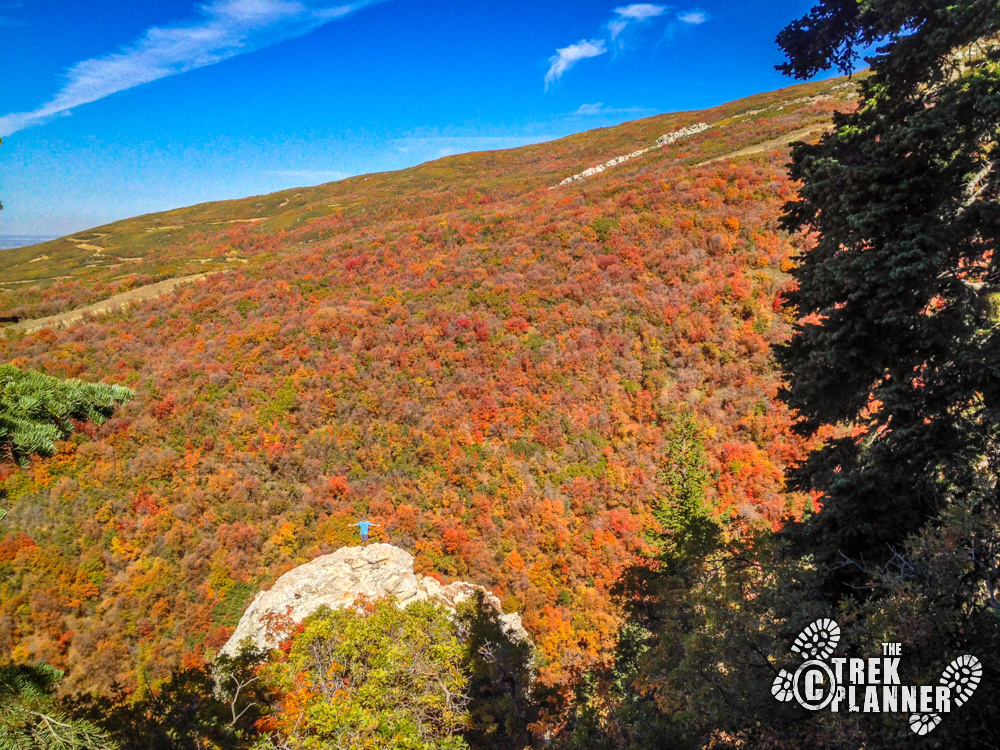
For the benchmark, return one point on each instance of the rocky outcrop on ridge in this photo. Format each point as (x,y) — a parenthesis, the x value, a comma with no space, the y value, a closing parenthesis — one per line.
(664,140)
(337,580)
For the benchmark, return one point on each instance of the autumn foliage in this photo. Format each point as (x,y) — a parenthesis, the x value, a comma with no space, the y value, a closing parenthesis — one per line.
(488,372)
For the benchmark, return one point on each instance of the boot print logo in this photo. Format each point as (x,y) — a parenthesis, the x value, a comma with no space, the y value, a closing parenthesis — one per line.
(870,685)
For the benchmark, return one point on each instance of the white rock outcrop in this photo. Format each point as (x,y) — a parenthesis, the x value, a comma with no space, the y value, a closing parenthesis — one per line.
(664,140)
(667,138)
(337,580)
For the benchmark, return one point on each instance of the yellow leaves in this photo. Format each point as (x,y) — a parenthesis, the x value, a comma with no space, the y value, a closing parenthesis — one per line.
(284,538)
(373,458)
(21,654)
(370,402)
(258,335)
(540,573)
(124,549)
(337,531)
(618,475)
(219,578)
(221,481)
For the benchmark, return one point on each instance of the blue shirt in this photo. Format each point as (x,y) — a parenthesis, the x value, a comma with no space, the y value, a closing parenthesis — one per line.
(363,525)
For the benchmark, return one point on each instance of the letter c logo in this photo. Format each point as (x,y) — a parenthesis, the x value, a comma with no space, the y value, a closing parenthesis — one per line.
(815,674)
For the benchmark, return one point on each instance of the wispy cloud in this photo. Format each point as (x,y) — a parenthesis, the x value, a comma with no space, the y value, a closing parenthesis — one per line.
(598,110)
(219,30)
(567,57)
(632,14)
(622,30)
(8,20)
(693,17)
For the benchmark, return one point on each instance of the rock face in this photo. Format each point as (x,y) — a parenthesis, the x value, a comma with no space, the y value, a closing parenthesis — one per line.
(337,580)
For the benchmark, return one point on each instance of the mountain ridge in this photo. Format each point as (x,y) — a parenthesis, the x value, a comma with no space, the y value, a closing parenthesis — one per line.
(146,246)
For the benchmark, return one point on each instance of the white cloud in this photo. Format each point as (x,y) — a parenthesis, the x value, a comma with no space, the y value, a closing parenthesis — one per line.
(598,110)
(632,14)
(641,11)
(693,17)
(221,29)
(567,57)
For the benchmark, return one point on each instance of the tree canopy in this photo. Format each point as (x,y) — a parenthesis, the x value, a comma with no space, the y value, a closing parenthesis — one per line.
(896,354)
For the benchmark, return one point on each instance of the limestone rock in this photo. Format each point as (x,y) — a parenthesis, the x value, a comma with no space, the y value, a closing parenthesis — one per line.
(338,579)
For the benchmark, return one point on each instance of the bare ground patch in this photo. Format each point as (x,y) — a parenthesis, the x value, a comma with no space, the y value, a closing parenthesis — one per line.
(111,304)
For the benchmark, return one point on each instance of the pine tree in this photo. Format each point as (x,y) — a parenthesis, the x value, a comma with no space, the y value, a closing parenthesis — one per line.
(37,410)
(899,345)
(684,513)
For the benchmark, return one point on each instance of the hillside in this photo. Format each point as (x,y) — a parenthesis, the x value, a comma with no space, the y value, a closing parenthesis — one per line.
(486,362)
(81,268)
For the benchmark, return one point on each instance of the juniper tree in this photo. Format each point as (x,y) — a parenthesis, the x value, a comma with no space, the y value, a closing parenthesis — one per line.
(899,345)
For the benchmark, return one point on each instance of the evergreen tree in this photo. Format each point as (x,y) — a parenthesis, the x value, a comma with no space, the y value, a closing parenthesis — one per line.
(690,531)
(37,410)
(899,345)
(30,719)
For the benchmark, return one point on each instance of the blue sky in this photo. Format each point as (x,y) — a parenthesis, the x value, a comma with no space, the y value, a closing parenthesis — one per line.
(112,108)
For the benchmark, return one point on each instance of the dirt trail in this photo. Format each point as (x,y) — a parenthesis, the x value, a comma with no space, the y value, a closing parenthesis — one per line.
(110,304)
(784,140)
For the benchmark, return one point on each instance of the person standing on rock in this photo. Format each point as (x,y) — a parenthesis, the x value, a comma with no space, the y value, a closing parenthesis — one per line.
(363,525)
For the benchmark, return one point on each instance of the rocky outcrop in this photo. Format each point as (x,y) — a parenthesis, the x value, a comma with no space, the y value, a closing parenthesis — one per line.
(667,138)
(664,140)
(337,580)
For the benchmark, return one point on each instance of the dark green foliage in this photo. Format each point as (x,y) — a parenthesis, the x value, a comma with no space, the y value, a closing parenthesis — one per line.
(194,708)
(30,719)
(231,608)
(603,226)
(500,670)
(37,410)
(690,531)
(902,341)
